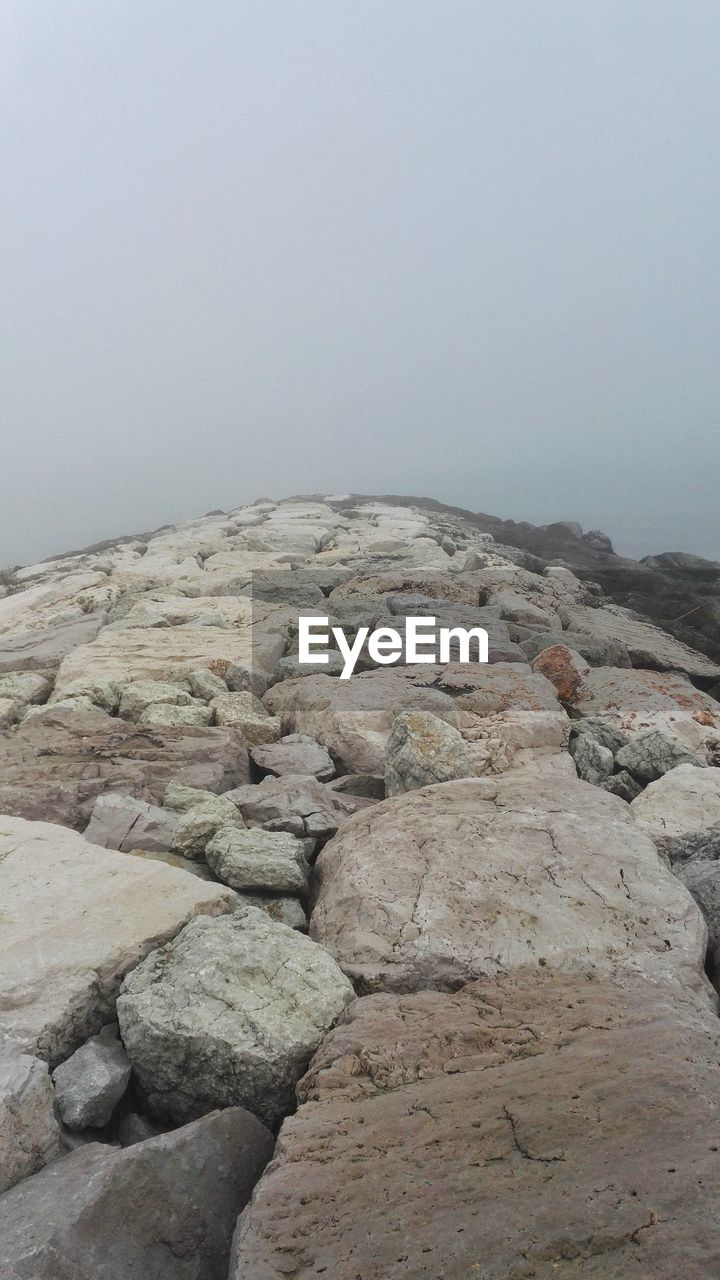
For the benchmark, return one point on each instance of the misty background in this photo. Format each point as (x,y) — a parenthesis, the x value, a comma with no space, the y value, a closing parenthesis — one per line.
(462,248)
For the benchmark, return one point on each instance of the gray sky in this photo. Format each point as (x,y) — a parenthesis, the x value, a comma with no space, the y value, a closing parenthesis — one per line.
(465,248)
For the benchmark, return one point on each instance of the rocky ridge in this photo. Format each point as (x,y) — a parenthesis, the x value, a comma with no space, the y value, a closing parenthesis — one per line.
(229,879)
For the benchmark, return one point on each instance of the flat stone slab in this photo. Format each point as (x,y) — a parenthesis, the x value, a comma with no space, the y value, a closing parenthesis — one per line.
(75,920)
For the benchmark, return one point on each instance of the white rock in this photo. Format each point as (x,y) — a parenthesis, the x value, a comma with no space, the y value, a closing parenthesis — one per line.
(684,799)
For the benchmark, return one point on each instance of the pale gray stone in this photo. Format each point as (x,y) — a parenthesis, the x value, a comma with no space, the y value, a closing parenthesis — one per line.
(122,822)
(257,859)
(29,1134)
(685,799)
(141,694)
(593,762)
(204,684)
(197,826)
(295,754)
(423,750)
(245,712)
(90,1083)
(169,716)
(279,907)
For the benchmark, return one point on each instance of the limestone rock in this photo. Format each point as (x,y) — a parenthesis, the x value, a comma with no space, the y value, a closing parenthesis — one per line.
(649,755)
(422,750)
(510,1130)
(442,885)
(593,762)
(685,799)
(204,684)
(166,716)
(122,822)
(622,784)
(295,754)
(44,649)
(303,806)
(691,846)
(137,696)
(90,1083)
(229,1013)
(164,1208)
(635,701)
(257,859)
(197,826)
(245,712)
(25,687)
(8,712)
(29,1134)
(278,907)
(54,766)
(75,920)
(703,880)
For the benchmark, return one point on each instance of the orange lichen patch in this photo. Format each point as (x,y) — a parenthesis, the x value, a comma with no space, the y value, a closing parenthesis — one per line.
(564,668)
(219,667)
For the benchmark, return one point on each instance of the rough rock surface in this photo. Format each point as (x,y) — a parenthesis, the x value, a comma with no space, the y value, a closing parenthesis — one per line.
(75,920)
(635,701)
(593,761)
(29,1134)
(295,754)
(507,1131)
(421,750)
(489,876)
(649,755)
(685,799)
(257,859)
(90,1083)
(302,806)
(121,822)
(164,1209)
(54,767)
(228,1014)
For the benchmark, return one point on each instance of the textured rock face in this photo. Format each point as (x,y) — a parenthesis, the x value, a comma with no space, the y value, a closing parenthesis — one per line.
(121,822)
(165,1208)
(422,750)
(685,799)
(75,920)
(29,1134)
(295,754)
(229,1014)
(636,701)
(90,1083)
(302,806)
(477,877)
(650,755)
(54,767)
(507,1131)
(257,859)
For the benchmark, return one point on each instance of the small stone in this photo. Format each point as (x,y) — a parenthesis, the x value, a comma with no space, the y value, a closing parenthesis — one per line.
(295,754)
(29,1134)
(141,694)
(205,685)
(90,1083)
(622,784)
(257,859)
(243,711)
(593,762)
(198,826)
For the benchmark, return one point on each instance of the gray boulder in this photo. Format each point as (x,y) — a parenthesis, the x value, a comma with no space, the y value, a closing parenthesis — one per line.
(295,754)
(422,750)
(173,717)
(122,822)
(606,734)
(90,1083)
(140,694)
(279,907)
(693,846)
(703,881)
(164,1209)
(650,755)
(303,806)
(622,784)
(257,859)
(593,762)
(205,685)
(197,826)
(229,1013)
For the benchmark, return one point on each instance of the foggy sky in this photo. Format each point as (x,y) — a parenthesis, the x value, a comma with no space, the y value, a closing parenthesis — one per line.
(463,248)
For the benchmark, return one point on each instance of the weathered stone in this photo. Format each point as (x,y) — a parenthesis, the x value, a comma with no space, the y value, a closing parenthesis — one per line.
(291,668)
(8,712)
(295,754)
(596,651)
(691,846)
(90,1083)
(635,701)
(122,822)
(141,694)
(103,694)
(197,826)
(245,712)
(606,734)
(278,907)
(165,1208)
(649,755)
(442,885)
(647,645)
(622,784)
(56,765)
(564,668)
(685,799)
(204,684)
(29,1134)
(44,650)
(180,798)
(229,1013)
(703,881)
(510,1130)
(422,750)
(75,920)
(257,859)
(302,806)
(593,762)
(25,687)
(164,716)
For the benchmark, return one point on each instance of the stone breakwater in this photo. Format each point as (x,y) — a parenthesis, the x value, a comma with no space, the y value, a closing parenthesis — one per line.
(407,975)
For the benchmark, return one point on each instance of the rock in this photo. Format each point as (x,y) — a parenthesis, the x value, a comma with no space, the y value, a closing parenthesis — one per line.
(302,806)
(636,701)
(422,750)
(258,859)
(685,799)
(479,881)
(649,755)
(141,694)
(606,734)
(622,784)
(29,1134)
(703,880)
(25,687)
(692,846)
(175,717)
(75,920)
(246,677)
(647,645)
(564,668)
(228,1014)
(593,762)
(197,826)
(596,651)
(8,712)
(291,668)
(90,1083)
(205,685)
(505,1131)
(245,712)
(132,1128)
(56,765)
(103,694)
(282,909)
(121,822)
(43,650)
(180,799)
(163,1209)
(294,754)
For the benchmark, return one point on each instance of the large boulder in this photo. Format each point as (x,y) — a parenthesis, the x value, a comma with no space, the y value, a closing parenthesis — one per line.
(295,754)
(647,645)
(422,750)
(44,649)
(229,1014)
(75,920)
(29,1133)
(54,767)
(163,1209)
(649,755)
(510,1130)
(685,799)
(636,701)
(437,887)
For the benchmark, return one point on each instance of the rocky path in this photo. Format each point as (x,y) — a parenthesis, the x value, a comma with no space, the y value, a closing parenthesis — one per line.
(407,975)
